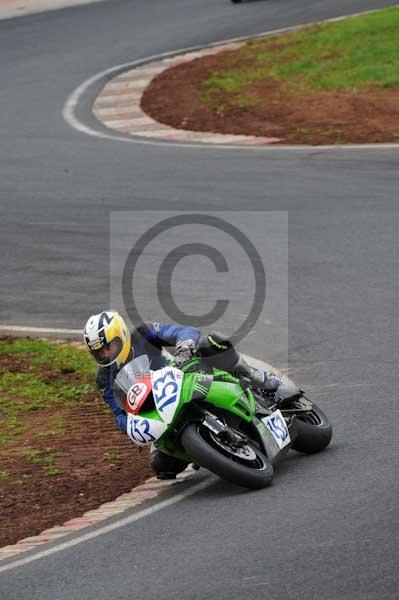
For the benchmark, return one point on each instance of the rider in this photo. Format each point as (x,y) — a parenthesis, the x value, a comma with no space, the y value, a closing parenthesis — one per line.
(112,345)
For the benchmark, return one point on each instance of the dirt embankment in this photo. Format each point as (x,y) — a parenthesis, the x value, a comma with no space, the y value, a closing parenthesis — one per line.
(176,98)
(60,460)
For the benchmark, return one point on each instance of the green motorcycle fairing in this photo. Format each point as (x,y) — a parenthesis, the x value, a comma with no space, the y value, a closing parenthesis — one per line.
(217,388)
(178,397)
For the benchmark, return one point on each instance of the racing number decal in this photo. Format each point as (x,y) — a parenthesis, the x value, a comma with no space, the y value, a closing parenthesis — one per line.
(142,429)
(166,387)
(139,430)
(167,391)
(278,428)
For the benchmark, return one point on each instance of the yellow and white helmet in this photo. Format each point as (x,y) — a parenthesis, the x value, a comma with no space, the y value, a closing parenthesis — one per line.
(107,338)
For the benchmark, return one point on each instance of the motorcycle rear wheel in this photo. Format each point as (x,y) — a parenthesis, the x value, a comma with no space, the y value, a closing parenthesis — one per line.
(314,431)
(255,471)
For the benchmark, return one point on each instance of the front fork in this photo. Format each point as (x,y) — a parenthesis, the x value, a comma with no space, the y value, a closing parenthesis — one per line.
(195,414)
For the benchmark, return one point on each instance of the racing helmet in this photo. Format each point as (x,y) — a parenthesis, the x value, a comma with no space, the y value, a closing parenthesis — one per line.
(107,338)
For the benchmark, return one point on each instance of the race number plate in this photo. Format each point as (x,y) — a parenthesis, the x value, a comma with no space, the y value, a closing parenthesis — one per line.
(144,431)
(278,428)
(166,389)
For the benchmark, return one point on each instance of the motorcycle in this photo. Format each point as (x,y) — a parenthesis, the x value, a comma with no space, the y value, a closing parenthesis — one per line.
(209,417)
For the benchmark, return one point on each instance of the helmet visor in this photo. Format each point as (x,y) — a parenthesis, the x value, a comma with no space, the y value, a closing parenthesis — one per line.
(108,352)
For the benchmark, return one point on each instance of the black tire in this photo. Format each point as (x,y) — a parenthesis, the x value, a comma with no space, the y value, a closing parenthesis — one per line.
(200,444)
(314,431)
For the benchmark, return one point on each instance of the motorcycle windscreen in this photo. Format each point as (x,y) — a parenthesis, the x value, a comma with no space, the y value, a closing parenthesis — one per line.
(135,369)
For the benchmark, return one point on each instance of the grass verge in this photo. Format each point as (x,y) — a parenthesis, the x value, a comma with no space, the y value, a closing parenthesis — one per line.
(330,83)
(36,375)
(357,52)
(60,452)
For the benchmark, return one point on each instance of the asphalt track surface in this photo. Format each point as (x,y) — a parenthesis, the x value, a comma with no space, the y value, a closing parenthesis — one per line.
(328,527)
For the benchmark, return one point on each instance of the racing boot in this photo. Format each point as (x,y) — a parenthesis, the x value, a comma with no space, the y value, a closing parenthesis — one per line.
(165,466)
(266,382)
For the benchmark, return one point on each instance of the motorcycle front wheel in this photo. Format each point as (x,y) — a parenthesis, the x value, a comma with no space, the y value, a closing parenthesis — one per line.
(313,431)
(246,466)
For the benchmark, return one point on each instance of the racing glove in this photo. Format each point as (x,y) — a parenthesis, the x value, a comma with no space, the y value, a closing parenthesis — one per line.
(184,351)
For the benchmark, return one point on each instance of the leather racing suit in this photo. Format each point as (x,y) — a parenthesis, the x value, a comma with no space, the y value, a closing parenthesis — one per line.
(149,339)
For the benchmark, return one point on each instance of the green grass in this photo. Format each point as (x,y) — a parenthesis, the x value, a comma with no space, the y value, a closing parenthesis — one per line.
(112,455)
(350,54)
(28,392)
(49,374)
(56,427)
(46,459)
(41,353)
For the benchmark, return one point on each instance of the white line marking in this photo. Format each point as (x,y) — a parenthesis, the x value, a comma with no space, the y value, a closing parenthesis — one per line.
(22,329)
(107,528)
(73,100)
